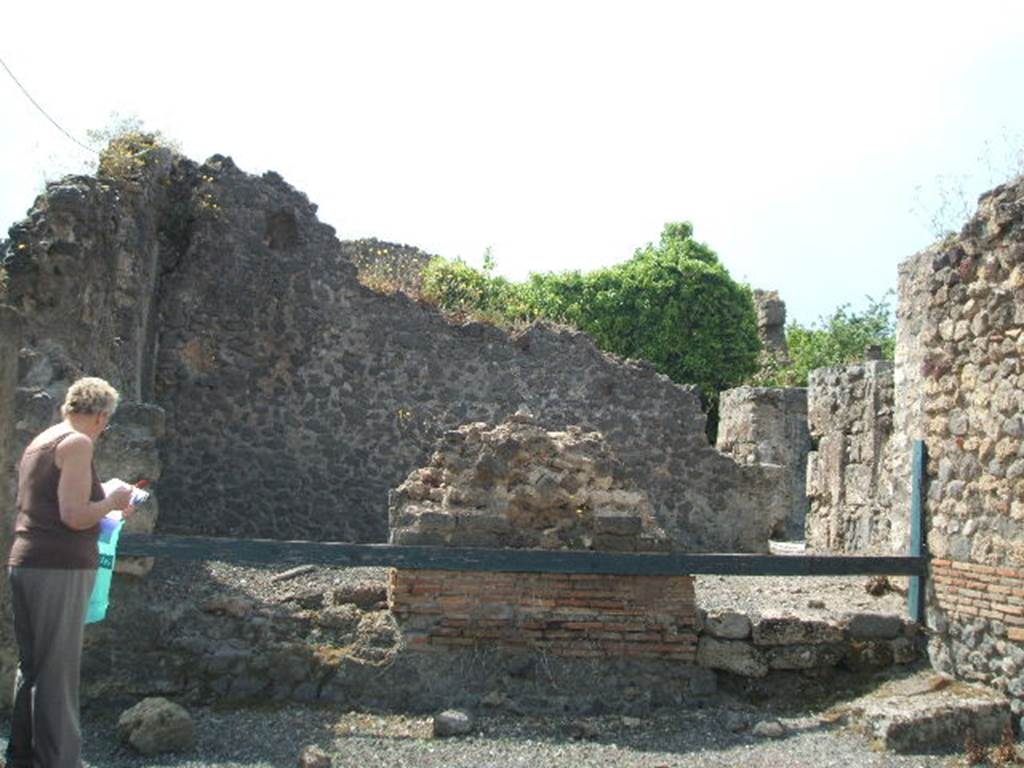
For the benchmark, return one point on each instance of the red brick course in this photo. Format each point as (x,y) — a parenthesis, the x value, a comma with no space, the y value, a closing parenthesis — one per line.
(971,590)
(580,615)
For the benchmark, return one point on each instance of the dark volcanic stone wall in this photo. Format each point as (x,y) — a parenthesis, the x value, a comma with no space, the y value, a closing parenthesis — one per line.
(296,397)
(83,270)
(10,339)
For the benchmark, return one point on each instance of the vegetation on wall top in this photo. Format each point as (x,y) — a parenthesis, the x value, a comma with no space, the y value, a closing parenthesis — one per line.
(672,304)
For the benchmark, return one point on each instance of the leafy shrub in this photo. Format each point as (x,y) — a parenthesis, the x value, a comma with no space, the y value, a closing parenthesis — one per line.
(673,305)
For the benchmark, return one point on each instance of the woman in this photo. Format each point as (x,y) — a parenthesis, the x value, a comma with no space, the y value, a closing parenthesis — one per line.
(51,569)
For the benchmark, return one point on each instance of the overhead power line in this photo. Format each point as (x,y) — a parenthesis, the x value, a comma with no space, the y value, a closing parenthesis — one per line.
(42,111)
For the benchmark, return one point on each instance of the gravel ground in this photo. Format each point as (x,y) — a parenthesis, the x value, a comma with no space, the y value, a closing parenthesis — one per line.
(820,597)
(690,738)
(716,734)
(809,596)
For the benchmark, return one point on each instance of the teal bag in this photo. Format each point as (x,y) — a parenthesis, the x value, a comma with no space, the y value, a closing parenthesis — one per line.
(110,531)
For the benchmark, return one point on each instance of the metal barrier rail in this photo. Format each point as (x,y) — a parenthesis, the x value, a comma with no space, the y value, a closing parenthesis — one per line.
(337,554)
(272,551)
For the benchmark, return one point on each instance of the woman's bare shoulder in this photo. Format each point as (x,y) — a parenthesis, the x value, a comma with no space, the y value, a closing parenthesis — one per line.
(47,437)
(69,443)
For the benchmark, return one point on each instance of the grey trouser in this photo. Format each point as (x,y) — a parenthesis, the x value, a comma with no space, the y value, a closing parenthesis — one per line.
(49,614)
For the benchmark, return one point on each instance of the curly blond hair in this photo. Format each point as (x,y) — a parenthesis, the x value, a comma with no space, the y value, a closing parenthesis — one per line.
(90,395)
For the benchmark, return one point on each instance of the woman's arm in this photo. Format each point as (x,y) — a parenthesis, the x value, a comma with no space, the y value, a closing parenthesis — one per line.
(74,457)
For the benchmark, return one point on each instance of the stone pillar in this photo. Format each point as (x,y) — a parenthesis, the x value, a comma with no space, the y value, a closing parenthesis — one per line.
(771,322)
(768,425)
(914,336)
(850,415)
(10,340)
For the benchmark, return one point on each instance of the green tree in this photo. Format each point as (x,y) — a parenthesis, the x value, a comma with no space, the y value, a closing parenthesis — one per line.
(672,304)
(838,339)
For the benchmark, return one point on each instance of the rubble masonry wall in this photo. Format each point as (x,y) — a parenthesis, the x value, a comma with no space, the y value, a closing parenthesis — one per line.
(295,397)
(960,348)
(768,425)
(849,486)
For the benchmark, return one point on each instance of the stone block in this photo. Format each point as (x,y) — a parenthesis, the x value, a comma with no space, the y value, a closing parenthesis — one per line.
(736,656)
(453,722)
(727,625)
(866,655)
(791,630)
(617,523)
(942,728)
(873,626)
(803,656)
(156,725)
(858,484)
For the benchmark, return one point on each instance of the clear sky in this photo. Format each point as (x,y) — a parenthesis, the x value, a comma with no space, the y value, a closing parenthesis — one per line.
(798,137)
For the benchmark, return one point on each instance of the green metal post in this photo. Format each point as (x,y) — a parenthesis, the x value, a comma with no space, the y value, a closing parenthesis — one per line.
(916,592)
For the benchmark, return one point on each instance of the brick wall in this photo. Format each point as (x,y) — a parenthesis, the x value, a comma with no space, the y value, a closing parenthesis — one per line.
(970,591)
(559,614)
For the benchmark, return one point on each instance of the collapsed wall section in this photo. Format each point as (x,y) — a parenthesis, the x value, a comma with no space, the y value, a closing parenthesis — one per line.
(84,272)
(518,485)
(962,310)
(850,416)
(388,267)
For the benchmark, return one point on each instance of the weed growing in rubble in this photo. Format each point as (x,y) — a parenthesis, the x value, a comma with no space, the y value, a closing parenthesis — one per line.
(1006,753)
(1003,755)
(127,147)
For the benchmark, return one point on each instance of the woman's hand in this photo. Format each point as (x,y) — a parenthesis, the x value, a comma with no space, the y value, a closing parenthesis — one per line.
(121,498)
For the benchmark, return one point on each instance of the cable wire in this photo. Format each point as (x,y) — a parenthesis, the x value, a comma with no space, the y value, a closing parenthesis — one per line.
(43,111)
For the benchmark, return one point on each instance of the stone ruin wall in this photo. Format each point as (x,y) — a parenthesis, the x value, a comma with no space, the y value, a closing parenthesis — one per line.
(539,642)
(768,425)
(295,398)
(849,482)
(10,334)
(289,386)
(519,486)
(961,345)
(530,641)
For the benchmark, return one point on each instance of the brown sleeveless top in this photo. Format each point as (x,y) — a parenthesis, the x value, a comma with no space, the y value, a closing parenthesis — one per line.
(41,540)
